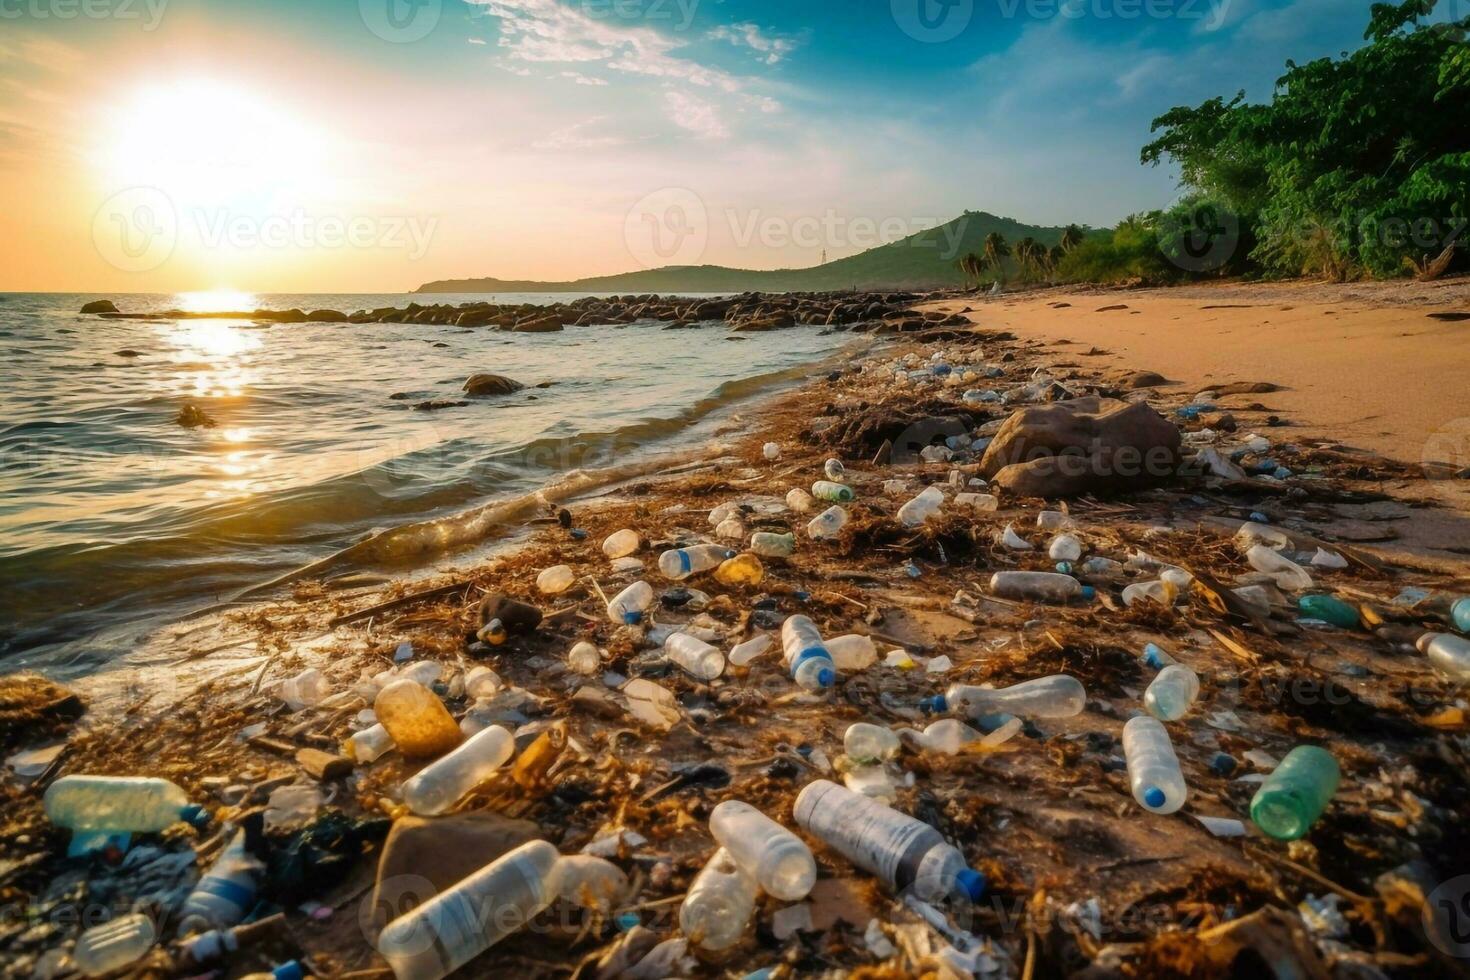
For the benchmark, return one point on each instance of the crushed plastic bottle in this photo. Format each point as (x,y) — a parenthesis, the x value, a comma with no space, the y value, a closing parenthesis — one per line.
(225,894)
(986,502)
(719,905)
(1064,547)
(852,652)
(109,947)
(906,854)
(1171,693)
(1296,793)
(1010,539)
(1288,575)
(584,658)
(681,563)
(621,543)
(1329,609)
(769,545)
(100,810)
(1039,586)
(743,569)
(1252,533)
(307,688)
(744,653)
(800,501)
(557,578)
(482,682)
(437,787)
(452,928)
(835,471)
(628,606)
(1053,520)
(368,745)
(870,743)
(832,492)
(827,524)
(921,508)
(1450,654)
(416,719)
(1099,566)
(1054,696)
(775,857)
(947,735)
(694,656)
(1153,768)
(806,655)
(1157,591)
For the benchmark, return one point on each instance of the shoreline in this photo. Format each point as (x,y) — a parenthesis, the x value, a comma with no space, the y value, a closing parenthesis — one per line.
(1048,812)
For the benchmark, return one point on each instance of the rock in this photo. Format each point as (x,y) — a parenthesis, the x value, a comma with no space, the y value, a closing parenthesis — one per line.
(128,352)
(435,404)
(100,306)
(543,324)
(326,316)
(1143,379)
(518,618)
(1245,388)
(32,707)
(191,416)
(1081,446)
(323,766)
(488,385)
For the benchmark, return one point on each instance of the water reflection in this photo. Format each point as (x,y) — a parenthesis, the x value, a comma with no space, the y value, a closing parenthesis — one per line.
(216,301)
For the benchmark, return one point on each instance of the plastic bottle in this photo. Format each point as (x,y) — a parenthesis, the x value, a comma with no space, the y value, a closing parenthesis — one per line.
(443,783)
(1460,614)
(1098,565)
(1039,586)
(305,689)
(590,882)
(1288,574)
(368,745)
(906,854)
(838,493)
(743,569)
(1153,768)
(416,719)
(425,672)
(827,523)
(1329,609)
(628,606)
(1295,794)
(1156,591)
(806,655)
(1252,534)
(870,743)
(771,451)
(694,656)
(775,857)
(835,471)
(681,563)
(1449,653)
(1171,693)
(457,925)
(482,682)
(226,892)
(1010,539)
(800,501)
(1064,547)
(557,578)
(731,529)
(722,512)
(1155,657)
(947,735)
(1054,696)
(921,508)
(584,658)
(987,502)
(1053,520)
(113,945)
(99,808)
(769,545)
(852,652)
(745,652)
(719,904)
(216,944)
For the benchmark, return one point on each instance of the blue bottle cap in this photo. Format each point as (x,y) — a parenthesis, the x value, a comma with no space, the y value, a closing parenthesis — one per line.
(1065,567)
(971,884)
(1154,797)
(1088,593)
(194,814)
(290,970)
(578,534)
(826,677)
(632,617)
(933,706)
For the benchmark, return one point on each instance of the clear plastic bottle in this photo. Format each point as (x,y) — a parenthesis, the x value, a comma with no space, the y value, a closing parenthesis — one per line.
(622,543)
(628,606)
(922,507)
(719,904)
(947,735)
(1065,547)
(800,501)
(1295,794)
(443,783)
(731,529)
(1053,520)
(369,745)
(1039,586)
(852,652)
(482,682)
(226,892)
(775,857)
(1460,614)
(987,502)
(827,524)
(1252,534)
(457,925)
(694,656)
(1154,591)
(870,743)
(95,808)
(906,854)
(1288,574)
(307,688)
(1098,565)
(834,470)
(1054,696)
(1449,653)
(557,578)
(416,719)
(806,655)
(837,493)
(681,563)
(1171,693)
(771,451)
(584,658)
(743,569)
(113,945)
(745,652)
(769,545)
(1153,768)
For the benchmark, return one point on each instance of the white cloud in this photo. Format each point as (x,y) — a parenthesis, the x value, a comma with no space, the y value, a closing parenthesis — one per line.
(694,114)
(577,137)
(774,47)
(582,79)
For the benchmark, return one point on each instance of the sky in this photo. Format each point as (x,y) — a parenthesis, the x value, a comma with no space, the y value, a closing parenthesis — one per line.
(373,145)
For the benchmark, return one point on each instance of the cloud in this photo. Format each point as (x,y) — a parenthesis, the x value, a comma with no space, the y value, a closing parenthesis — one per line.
(694,114)
(774,47)
(582,79)
(577,137)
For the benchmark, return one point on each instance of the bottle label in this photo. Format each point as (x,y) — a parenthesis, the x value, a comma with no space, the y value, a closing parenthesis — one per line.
(874,837)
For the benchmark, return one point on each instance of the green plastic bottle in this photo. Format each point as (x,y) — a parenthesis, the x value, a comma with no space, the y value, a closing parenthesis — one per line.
(1329,609)
(1294,796)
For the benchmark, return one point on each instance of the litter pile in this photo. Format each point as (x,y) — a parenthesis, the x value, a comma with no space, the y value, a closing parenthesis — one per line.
(959,663)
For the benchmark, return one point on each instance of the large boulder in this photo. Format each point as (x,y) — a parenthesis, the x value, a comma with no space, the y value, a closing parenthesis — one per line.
(100,306)
(326,316)
(541,324)
(488,385)
(1082,446)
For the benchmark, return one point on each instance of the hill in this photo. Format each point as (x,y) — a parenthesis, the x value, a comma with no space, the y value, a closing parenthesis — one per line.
(926,260)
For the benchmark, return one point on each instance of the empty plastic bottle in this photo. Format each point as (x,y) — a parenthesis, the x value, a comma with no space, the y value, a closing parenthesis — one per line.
(827,523)
(628,606)
(462,922)
(694,656)
(743,569)
(443,783)
(1053,520)
(584,658)
(1449,653)
(557,578)
(1010,539)
(482,682)
(719,904)
(416,719)
(870,743)
(906,854)
(1252,534)
(835,470)
(978,501)
(1098,565)
(771,451)
(731,528)
(1054,696)
(1295,794)
(1155,657)
(852,652)
(744,653)
(590,882)
(800,501)
(775,857)
(226,893)
(369,745)
(1039,586)
(1064,547)
(806,655)
(97,809)
(1288,574)
(305,689)
(113,945)
(1329,609)
(769,545)
(681,563)
(1155,591)
(214,945)
(947,735)
(621,543)
(828,490)
(922,507)
(1171,693)
(1153,768)
(1460,614)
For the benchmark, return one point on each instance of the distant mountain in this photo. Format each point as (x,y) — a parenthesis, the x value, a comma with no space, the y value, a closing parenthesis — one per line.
(923,261)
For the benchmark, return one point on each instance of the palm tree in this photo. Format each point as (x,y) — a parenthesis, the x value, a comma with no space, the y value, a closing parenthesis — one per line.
(996,250)
(1029,253)
(973,267)
(1072,236)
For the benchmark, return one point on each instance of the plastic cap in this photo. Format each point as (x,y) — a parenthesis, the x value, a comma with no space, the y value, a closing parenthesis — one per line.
(194,814)
(934,706)
(1089,593)
(632,617)
(290,970)
(1154,796)
(826,677)
(970,883)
